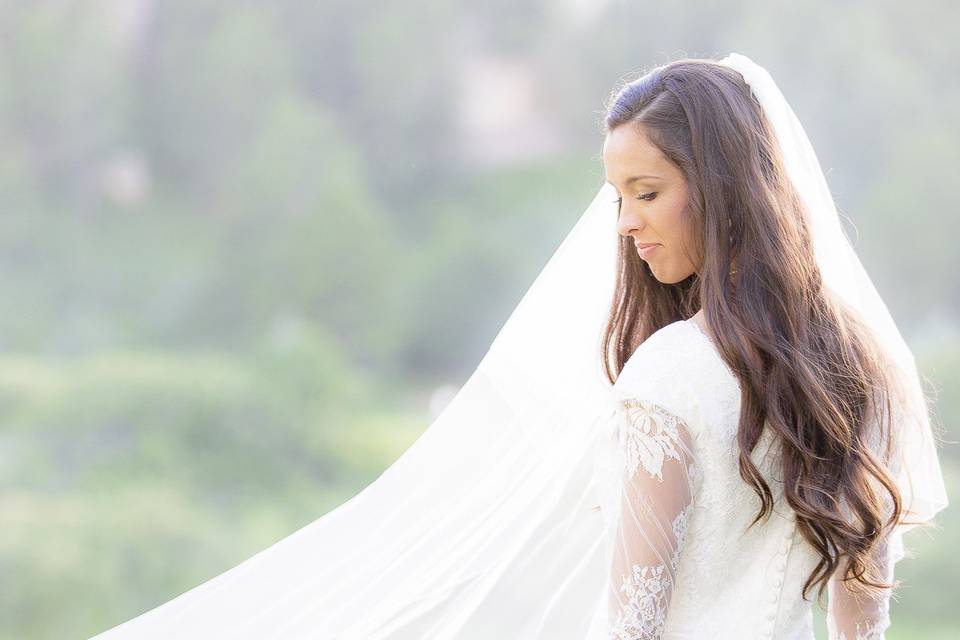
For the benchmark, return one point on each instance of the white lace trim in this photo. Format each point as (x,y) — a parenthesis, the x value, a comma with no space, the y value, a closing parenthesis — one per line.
(679,533)
(647,590)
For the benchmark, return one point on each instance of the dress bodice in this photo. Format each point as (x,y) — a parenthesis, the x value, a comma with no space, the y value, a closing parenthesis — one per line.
(730,580)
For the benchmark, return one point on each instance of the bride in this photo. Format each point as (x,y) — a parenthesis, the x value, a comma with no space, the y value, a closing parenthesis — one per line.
(699,418)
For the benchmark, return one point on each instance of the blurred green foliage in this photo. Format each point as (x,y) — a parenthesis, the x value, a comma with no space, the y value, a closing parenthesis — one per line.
(241,244)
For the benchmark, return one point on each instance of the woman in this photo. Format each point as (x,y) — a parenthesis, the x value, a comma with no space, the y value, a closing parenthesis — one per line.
(718,226)
(765,436)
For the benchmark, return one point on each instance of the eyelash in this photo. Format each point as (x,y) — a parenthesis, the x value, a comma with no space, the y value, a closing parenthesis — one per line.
(640,197)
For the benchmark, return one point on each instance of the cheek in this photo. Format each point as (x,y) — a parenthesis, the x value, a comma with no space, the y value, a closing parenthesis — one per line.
(677,234)
(673,222)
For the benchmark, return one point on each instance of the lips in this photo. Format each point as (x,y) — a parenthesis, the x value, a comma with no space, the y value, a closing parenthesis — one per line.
(646,248)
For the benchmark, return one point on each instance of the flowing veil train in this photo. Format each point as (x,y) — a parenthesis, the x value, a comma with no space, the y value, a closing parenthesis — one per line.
(487,527)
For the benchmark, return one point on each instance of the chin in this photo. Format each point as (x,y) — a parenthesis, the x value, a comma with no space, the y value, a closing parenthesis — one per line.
(670,278)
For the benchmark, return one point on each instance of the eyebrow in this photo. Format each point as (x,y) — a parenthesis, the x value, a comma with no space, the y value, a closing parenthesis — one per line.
(635,178)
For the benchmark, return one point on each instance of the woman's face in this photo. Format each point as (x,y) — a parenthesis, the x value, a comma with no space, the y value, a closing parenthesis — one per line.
(652,208)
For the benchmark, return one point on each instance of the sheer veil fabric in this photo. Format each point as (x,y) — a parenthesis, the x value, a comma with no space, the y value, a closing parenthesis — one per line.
(488,525)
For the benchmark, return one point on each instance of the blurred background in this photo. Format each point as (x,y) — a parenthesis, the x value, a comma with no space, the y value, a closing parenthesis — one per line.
(249,249)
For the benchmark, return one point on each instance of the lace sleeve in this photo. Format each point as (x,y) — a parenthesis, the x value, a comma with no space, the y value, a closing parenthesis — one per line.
(853,616)
(658,488)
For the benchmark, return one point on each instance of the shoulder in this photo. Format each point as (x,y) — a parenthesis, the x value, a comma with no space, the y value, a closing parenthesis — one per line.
(678,369)
(668,351)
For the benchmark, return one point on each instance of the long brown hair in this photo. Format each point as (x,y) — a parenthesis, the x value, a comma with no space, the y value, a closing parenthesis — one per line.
(808,368)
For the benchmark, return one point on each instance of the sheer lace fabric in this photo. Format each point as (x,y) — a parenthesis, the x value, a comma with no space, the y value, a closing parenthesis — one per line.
(658,486)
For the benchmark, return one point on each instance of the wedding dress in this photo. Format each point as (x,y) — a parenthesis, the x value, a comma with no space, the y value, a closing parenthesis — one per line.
(684,564)
(545,504)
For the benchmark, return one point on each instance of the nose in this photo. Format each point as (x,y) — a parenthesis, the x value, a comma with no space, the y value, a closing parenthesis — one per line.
(629,224)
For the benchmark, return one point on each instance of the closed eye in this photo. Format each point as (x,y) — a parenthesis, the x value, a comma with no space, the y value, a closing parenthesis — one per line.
(644,196)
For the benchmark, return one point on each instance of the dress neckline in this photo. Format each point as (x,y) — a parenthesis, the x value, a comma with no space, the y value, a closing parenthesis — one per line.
(698,328)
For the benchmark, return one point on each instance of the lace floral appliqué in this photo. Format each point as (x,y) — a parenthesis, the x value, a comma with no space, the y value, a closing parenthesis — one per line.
(659,481)
(646,590)
(651,439)
(871,632)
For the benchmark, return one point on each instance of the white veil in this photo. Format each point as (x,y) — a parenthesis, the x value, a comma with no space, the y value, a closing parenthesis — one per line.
(487,526)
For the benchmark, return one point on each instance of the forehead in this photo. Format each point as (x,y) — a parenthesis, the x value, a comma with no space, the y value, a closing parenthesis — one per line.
(627,152)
